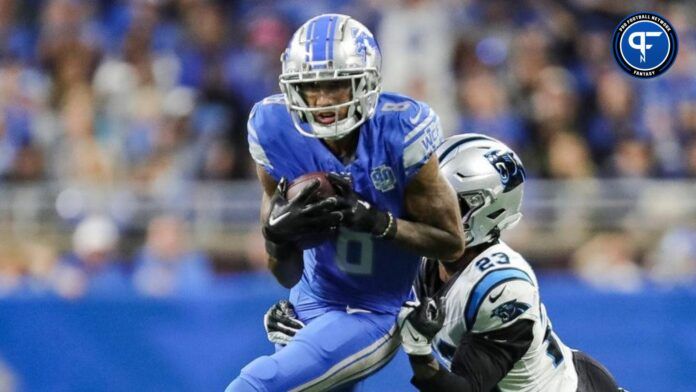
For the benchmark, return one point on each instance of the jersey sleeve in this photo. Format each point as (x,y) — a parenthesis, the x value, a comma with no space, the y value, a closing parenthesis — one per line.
(501,298)
(421,137)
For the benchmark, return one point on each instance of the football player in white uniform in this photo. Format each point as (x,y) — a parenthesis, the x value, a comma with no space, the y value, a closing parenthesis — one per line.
(482,315)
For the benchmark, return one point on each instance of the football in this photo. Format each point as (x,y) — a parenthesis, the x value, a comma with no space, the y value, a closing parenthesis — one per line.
(325,188)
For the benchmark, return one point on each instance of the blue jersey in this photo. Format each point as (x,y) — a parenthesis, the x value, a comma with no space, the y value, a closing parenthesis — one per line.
(354,269)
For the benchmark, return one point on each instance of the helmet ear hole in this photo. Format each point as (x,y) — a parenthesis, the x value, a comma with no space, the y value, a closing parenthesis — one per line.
(495,213)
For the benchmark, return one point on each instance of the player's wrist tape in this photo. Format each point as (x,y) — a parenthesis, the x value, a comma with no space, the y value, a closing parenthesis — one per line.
(389,231)
(281,250)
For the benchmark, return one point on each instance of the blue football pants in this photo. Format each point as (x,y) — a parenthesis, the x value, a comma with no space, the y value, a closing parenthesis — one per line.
(337,348)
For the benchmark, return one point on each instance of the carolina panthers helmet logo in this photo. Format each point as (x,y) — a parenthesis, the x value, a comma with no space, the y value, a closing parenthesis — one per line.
(510,310)
(509,167)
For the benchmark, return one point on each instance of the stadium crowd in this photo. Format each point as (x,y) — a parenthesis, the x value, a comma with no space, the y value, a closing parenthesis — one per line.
(156,94)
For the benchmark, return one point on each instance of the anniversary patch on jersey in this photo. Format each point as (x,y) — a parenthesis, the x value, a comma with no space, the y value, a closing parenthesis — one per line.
(383,178)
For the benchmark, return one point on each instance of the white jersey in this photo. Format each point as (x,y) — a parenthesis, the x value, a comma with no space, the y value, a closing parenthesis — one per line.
(497,289)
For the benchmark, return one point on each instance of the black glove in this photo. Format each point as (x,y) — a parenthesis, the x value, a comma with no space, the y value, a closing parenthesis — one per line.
(281,323)
(419,323)
(358,214)
(289,220)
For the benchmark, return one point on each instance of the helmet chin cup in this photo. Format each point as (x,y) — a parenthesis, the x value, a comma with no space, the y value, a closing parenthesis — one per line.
(334,131)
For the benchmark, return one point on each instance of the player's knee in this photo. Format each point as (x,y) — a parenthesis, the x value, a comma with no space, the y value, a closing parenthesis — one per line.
(240,385)
(259,375)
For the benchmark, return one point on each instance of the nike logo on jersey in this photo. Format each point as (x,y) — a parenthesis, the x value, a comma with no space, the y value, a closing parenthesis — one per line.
(275,219)
(494,298)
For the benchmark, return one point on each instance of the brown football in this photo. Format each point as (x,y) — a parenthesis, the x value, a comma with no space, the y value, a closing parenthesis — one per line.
(325,188)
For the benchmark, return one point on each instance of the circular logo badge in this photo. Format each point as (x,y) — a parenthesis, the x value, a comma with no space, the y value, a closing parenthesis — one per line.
(645,45)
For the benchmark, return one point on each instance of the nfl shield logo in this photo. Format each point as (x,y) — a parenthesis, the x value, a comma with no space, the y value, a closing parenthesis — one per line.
(383,178)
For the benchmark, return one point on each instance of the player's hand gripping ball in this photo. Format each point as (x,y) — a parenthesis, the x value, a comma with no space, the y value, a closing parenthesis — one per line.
(321,219)
(291,217)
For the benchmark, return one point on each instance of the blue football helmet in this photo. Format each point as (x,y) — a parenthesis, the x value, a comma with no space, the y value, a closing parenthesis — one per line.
(331,47)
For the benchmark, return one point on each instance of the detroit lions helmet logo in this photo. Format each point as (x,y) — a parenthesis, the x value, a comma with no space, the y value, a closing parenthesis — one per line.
(510,310)
(509,167)
(364,42)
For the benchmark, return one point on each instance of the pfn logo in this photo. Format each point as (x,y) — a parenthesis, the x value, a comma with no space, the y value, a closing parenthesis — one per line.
(642,46)
(645,45)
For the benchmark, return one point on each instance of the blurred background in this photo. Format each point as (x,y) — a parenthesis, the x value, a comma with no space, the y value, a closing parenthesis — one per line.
(130,252)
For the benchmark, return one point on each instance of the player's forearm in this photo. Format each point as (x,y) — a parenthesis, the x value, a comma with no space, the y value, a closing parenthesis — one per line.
(429,241)
(285,261)
(429,376)
(424,366)
(432,226)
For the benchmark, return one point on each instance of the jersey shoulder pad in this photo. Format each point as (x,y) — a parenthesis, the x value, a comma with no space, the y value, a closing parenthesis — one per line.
(268,116)
(500,297)
(268,120)
(418,132)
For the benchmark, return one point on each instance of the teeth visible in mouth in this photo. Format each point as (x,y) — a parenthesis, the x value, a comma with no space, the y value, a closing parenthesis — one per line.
(326,118)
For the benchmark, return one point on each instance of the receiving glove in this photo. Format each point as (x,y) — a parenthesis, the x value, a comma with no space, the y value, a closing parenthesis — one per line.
(281,323)
(359,215)
(289,220)
(419,323)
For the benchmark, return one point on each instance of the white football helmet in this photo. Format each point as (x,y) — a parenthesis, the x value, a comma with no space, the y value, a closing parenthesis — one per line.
(489,180)
(331,47)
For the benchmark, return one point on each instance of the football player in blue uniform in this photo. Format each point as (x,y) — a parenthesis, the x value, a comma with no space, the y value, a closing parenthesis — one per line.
(481,315)
(392,206)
